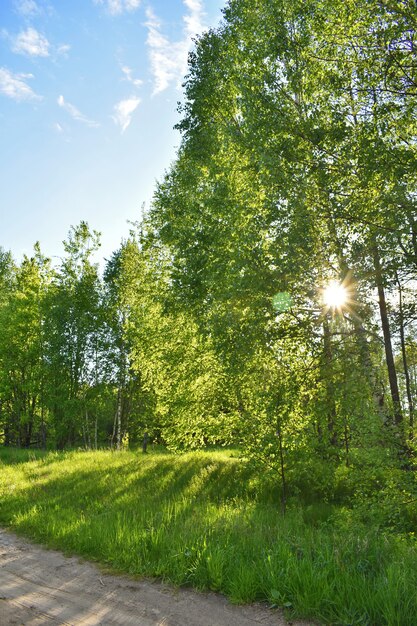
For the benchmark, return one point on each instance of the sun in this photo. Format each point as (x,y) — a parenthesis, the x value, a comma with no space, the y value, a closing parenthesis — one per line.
(335,295)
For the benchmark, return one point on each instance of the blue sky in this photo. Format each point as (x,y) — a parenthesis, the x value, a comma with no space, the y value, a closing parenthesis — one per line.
(88,98)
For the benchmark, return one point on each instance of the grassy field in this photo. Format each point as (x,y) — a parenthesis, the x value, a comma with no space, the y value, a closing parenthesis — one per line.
(202,519)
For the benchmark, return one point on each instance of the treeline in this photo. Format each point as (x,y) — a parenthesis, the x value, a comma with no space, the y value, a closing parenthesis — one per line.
(297,167)
(60,348)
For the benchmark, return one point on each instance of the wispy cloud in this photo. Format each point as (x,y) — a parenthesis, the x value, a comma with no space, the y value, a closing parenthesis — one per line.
(75,113)
(14,86)
(169,59)
(116,7)
(137,82)
(31,43)
(165,57)
(27,8)
(124,110)
(63,49)
(194,20)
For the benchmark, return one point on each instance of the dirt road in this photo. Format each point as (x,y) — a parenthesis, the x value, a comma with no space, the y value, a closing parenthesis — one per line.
(43,587)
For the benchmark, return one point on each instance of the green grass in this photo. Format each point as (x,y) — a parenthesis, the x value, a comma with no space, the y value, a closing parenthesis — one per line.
(202,519)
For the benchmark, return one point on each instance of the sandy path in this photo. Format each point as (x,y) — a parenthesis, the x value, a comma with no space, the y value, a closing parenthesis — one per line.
(39,586)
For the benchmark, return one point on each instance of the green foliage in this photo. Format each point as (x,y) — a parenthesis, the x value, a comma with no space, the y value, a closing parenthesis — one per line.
(62,352)
(286,178)
(184,381)
(22,370)
(296,167)
(72,334)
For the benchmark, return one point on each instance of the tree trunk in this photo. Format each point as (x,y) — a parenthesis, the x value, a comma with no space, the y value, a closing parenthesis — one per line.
(282,469)
(389,355)
(119,419)
(43,428)
(404,357)
(87,429)
(328,380)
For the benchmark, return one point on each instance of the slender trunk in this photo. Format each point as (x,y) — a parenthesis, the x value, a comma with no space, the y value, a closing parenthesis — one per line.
(346,442)
(43,428)
(29,434)
(120,391)
(327,374)
(87,429)
(114,430)
(6,427)
(413,226)
(96,386)
(6,435)
(389,355)
(282,469)
(84,436)
(119,419)
(404,357)
(413,379)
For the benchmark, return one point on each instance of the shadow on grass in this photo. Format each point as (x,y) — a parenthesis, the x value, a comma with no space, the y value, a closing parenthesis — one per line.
(94,482)
(198,519)
(12,456)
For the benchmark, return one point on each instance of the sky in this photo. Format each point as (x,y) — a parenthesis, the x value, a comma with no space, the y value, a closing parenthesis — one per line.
(88,101)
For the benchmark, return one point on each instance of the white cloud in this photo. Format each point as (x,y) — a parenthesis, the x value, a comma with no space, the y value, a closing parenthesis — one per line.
(58,128)
(132,5)
(27,8)
(137,82)
(31,43)
(75,113)
(63,49)
(123,111)
(116,7)
(15,87)
(194,20)
(169,59)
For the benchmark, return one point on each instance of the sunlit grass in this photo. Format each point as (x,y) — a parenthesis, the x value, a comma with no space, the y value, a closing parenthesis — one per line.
(202,519)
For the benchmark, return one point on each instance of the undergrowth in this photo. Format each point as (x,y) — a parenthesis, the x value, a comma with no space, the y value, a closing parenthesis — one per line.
(203,519)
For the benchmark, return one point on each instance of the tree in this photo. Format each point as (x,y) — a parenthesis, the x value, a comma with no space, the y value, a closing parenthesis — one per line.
(22,365)
(73,336)
(184,398)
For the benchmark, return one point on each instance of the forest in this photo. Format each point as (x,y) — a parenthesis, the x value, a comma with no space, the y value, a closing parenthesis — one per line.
(258,328)
(212,324)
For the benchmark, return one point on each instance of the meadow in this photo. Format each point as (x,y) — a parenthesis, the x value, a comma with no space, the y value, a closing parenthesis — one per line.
(207,520)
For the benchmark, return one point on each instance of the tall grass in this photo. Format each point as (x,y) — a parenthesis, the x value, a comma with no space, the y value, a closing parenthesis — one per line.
(201,519)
